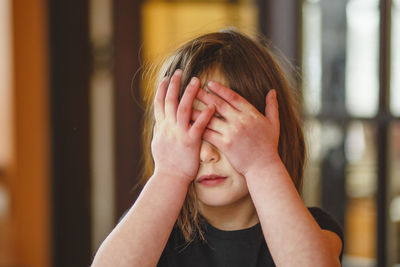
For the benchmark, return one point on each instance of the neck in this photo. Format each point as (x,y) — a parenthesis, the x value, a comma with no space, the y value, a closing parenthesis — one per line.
(235,216)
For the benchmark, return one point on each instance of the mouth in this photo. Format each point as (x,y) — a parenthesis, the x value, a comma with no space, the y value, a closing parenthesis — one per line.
(211,179)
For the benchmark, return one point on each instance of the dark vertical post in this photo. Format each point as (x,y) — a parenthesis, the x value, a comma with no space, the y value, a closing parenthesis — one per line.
(280,22)
(382,128)
(69,72)
(128,115)
(333,166)
(334,31)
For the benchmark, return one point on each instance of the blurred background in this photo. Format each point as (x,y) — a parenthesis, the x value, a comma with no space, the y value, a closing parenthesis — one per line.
(70,122)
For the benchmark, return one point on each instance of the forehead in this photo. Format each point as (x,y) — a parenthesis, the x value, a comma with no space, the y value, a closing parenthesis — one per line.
(213,74)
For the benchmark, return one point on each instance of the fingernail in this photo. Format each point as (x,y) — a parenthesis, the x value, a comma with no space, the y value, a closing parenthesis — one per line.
(210,83)
(178,72)
(193,81)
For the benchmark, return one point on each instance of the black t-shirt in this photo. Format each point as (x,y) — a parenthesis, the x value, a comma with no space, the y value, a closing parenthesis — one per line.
(246,247)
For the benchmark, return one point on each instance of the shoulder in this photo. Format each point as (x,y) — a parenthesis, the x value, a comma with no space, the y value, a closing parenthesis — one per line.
(326,221)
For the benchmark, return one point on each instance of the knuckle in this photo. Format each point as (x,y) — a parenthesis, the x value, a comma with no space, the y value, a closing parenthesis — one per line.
(238,127)
(241,127)
(235,130)
(234,97)
(168,124)
(186,142)
(241,119)
(190,89)
(197,126)
(219,102)
(253,114)
(228,142)
(183,109)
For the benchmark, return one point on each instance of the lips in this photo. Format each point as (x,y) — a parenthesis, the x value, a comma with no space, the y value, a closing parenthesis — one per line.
(211,179)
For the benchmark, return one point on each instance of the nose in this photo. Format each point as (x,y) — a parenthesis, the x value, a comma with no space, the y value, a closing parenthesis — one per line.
(208,153)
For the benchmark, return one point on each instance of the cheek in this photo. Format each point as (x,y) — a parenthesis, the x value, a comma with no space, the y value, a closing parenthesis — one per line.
(241,185)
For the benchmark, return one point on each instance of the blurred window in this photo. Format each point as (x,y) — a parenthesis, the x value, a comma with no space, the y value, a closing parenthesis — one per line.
(393,222)
(312,66)
(102,123)
(361,177)
(362,82)
(167,24)
(340,64)
(395,57)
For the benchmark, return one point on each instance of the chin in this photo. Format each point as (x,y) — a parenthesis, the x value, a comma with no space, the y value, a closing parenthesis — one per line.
(218,198)
(215,202)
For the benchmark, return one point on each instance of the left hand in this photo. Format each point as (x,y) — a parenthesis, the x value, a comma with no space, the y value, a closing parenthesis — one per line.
(246,137)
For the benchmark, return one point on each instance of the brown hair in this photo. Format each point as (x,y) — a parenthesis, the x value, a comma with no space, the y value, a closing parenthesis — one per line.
(251,70)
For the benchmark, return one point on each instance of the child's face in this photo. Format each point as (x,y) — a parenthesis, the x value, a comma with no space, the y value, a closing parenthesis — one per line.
(217,183)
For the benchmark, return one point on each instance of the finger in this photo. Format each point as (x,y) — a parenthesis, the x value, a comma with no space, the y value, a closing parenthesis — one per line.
(215,123)
(199,106)
(212,137)
(230,96)
(222,107)
(185,105)
(195,114)
(159,99)
(171,99)
(200,124)
(272,109)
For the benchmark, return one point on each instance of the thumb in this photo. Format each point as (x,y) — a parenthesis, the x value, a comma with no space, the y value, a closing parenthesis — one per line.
(271,108)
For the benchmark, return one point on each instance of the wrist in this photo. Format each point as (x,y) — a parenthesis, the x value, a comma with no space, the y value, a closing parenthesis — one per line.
(265,165)
(173,178)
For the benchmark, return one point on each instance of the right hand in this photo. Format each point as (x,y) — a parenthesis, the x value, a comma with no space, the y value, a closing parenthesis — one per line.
(176,142)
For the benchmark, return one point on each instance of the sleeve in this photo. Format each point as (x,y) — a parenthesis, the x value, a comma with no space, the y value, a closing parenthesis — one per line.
(327,222)
(163,262)
(169,256)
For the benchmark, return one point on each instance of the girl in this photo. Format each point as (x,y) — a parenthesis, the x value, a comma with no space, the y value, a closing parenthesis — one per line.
(228,155)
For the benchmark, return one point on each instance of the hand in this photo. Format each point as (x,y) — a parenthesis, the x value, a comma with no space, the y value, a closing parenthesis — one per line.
(176,142)
(246,137)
